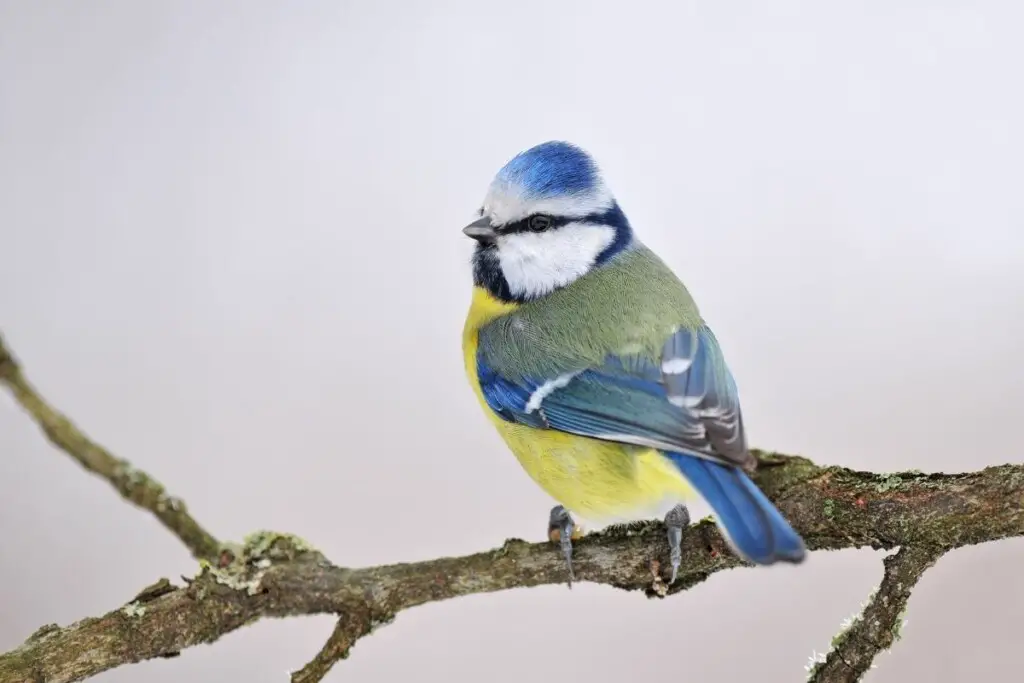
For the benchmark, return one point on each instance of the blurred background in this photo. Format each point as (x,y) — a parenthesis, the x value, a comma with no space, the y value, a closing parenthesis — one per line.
(222,223)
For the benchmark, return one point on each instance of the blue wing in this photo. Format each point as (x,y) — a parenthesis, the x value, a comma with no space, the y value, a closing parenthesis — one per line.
(684,404)
(686,400)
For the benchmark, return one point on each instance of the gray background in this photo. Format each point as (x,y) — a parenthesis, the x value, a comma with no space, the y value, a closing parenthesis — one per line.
(231,252)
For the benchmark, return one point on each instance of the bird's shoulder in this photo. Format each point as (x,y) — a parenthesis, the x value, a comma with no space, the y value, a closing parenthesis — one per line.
(628,306)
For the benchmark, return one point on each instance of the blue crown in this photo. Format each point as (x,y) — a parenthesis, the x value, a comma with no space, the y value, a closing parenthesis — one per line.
(551,169)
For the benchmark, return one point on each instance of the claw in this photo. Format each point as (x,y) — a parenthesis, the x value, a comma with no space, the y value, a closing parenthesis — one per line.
(561,529)
(677,519)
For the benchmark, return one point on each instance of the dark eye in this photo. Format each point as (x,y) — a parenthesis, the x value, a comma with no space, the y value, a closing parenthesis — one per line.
(540,223)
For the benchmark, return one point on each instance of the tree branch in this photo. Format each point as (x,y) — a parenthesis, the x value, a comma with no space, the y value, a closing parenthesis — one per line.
(276,575)
(133,484)
(878,626)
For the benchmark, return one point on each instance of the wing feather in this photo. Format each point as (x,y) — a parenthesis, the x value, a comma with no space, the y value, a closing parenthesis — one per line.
(685,400)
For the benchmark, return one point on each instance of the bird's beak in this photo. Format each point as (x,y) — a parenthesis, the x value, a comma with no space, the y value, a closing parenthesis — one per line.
(481,230)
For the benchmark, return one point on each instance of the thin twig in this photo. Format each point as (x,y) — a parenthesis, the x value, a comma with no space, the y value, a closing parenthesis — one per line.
(349,628)
(878,626)
(133,484)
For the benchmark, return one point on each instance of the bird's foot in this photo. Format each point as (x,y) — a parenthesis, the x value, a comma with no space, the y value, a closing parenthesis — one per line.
(677,519)
(563,531)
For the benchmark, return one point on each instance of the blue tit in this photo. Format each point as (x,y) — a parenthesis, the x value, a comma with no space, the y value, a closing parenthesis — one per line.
(593,362)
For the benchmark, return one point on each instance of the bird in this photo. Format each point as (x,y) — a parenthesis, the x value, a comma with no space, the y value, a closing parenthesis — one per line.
(593,362)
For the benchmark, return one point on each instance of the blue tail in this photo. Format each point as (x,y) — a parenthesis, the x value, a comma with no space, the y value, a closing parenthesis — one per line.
(752,524)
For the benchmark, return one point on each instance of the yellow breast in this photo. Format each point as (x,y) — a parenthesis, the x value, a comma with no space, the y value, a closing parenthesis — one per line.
(600,481)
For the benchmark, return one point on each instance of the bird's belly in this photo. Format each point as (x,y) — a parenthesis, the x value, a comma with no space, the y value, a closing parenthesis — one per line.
(599,481)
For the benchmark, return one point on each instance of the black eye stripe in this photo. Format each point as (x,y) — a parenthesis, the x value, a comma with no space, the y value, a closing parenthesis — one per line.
(523,225)
(612,217)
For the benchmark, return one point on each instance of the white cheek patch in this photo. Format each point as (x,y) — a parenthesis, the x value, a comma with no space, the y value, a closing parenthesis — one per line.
(537,263)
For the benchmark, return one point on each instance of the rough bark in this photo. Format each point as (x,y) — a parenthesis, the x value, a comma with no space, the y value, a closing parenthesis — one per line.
(878,626)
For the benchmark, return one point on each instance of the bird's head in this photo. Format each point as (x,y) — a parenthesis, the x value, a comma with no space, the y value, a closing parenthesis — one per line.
(548,219)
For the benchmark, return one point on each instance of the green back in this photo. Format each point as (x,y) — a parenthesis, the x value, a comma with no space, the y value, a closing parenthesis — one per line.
(628,306)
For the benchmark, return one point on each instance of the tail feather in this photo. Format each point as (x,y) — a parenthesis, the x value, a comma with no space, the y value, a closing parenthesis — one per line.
(750,522)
